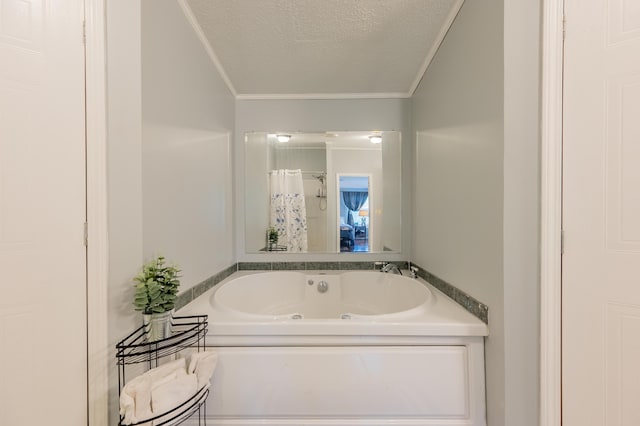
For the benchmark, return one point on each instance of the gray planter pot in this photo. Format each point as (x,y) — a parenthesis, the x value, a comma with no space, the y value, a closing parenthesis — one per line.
(157,326)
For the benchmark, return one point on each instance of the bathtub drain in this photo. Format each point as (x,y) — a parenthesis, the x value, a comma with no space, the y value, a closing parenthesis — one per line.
(345,316)
(297,316)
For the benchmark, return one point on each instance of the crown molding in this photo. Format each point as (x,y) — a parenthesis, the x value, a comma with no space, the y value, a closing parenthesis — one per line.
(188,13)
(434,49)
(296,96)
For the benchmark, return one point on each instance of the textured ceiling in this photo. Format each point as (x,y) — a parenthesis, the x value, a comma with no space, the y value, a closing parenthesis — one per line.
(322,48)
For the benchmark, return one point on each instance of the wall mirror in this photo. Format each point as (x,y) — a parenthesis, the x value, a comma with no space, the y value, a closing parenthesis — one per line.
(324,192)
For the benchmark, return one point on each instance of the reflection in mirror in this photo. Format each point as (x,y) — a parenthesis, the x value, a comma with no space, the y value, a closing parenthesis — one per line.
(295,192)
(353,200)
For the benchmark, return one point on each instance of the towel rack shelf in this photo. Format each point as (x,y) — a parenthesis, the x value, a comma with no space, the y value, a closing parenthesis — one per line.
(186,331)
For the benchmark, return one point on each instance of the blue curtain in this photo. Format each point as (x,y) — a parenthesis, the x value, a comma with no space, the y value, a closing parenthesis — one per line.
(353,200)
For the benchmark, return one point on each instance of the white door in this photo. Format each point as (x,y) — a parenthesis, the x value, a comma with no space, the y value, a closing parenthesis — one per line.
(42,210)
(601,214)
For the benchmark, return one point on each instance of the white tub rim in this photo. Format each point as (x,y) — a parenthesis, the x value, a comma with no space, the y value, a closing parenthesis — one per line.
(287,290)
(444,318)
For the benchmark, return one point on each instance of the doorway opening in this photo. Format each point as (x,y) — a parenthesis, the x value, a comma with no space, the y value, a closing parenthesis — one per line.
(354,221)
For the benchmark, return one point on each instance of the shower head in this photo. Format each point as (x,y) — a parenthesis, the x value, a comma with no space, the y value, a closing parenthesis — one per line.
(321,177)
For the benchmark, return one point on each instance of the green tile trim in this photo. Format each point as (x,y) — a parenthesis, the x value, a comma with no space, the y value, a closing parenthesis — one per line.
(317,266)
(357,266)
(254,266)
(191,294)
(288,266)
(183,299)
(314,266)
(473,306)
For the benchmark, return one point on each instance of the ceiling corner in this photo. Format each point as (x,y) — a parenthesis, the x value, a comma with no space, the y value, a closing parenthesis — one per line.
(434,49)
(191,19)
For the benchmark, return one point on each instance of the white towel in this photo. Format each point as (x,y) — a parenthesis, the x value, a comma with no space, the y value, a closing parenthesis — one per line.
(128,404)
(143,399)
(156,374)
(170,393)
(135,398)
(203,364)
(163,388)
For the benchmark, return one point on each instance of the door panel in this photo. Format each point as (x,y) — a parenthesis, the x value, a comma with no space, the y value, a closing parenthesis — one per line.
(42,211)
(601,214)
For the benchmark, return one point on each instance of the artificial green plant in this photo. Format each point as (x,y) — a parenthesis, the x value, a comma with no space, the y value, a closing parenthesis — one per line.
(156,287)
(272,235)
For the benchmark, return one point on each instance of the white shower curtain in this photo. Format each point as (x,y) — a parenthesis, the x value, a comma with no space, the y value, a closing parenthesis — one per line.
(288,212)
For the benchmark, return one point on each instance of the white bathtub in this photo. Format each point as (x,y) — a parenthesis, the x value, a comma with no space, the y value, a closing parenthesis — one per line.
(373,349)
(296,295)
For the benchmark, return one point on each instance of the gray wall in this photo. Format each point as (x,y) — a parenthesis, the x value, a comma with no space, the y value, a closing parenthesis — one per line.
(124,173)
(170,124)
(476,200)
(476,119)
(521,210)
(187,124)
(320,116)
(458,120)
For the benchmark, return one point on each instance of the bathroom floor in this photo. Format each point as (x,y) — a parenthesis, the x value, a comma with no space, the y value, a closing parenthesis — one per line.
(361,244)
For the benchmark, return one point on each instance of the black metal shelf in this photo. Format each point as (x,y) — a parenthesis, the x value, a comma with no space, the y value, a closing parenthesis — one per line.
(186,331)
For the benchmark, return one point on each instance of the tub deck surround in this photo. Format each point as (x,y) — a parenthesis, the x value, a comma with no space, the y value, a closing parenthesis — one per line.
(439,315)
(475,307)
(405,355)
(194,292)
(472,305)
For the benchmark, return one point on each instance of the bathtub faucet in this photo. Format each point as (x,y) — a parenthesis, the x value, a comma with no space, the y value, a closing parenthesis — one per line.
(389,267)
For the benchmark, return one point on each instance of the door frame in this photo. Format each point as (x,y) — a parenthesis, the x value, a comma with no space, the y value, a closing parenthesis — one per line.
(337,224)
(99,355)
(551,212)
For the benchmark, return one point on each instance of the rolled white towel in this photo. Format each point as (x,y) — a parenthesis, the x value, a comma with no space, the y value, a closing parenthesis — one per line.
(195,357)
(135,398)
(128,404)
(156,374)
(170,392)
(143,399)
(203,364)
